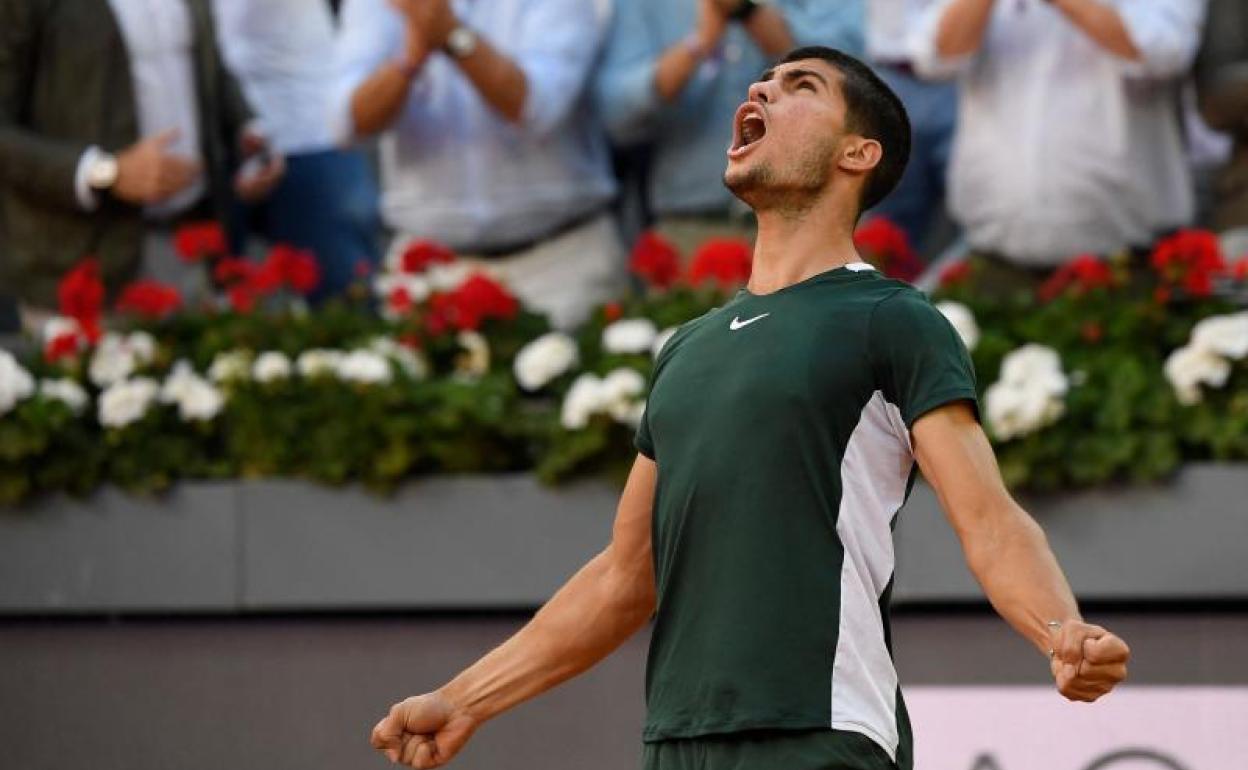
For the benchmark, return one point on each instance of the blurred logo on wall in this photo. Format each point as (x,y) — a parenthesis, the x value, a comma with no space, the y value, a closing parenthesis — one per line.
(1033,728)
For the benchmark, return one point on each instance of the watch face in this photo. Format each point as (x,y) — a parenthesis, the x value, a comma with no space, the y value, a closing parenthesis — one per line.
(461,42)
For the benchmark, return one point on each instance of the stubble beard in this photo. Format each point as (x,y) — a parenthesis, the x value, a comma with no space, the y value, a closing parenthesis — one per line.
(790,193)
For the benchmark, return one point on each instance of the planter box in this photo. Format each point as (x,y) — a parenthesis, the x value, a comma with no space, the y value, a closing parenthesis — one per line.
(506,542)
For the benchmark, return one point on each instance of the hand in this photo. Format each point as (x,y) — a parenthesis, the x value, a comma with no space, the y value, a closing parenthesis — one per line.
(424,731)
(429,22)
(261,169)
(712,22)
(147,173)
(1087,661)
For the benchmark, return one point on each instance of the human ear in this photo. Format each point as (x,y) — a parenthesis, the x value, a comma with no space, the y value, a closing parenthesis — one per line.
(860,155)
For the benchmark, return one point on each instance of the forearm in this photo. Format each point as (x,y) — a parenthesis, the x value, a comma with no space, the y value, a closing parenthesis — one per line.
(961,28)
(770,31)
(377,102)
(498,79)
(1020,575)
(1101,23)
(676,66)
(595,611)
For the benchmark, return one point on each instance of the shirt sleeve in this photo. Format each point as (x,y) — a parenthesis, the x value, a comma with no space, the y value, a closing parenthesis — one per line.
(918,359)
(838,24)
(921,42)
(1166,32)
(558,45)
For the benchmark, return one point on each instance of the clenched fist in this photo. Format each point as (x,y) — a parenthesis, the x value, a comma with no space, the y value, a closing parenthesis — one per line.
(1087,661)
(423,731)
(147,172)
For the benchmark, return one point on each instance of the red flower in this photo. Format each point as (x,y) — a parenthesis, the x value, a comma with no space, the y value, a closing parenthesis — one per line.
(420,255)
(1084,273)
(286,266)
(725,261)
(612,311)
(1191,259)
(400,301)
(477,299)
(242,298)
(81,296)
(958,272)
(196,240)
(1239,270)
(887,246)
(1161,295)
(64,345)
(149,299)
(655,260)
(230,270)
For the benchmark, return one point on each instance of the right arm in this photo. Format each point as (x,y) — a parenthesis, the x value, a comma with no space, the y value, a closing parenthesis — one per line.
(601,606)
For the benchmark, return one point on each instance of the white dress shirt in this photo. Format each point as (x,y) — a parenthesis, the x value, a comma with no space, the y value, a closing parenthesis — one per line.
(889,23)
(452,168)
(159,40)
(1063,147)
(282,52)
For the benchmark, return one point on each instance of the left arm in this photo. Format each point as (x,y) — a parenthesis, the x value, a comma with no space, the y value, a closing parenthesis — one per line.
(1010,557)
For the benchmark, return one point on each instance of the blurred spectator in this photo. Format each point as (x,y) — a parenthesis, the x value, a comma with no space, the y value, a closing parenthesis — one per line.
(675,73)
(117,120)
(282,52)
(918,200)
(486,143)
(1069,138)
(1222,88)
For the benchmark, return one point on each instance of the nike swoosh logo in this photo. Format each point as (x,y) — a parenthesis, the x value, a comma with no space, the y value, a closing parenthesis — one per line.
(737,323)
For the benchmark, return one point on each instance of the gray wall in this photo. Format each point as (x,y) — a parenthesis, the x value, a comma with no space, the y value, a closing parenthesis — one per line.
(302,693)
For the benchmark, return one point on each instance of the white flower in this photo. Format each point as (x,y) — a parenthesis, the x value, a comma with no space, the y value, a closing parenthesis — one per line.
(1035,366)
(66,391)
(318,362)
(621,390)
(126,402)
(1189,367)
(230,365)
(1225,335)
(474,361)
(584,399)
(270,366)
(15,382)
(113,361)
(962,320)
(176,382)
(142,345)
(445,277)
(58,326)
(200,400)
(545,358)
(1014,410)
(410,361)
(629,335)
(661,339)
(365,366)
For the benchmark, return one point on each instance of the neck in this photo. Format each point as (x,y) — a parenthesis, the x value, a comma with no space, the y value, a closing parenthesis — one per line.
(793,247)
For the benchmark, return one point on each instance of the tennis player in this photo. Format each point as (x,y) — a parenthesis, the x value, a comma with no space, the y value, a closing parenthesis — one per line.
(779,441)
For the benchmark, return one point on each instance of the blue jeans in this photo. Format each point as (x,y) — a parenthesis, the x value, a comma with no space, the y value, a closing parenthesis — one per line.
(933,110)
(327,203)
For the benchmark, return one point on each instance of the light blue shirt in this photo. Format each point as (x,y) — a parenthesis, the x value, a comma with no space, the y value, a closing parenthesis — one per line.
(691,135)
(455,170)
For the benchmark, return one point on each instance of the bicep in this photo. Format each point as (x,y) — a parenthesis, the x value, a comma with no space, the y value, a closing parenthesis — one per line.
(957,460)
(630,535)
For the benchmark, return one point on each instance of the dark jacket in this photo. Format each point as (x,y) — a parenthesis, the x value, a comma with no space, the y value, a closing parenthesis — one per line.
(65,84)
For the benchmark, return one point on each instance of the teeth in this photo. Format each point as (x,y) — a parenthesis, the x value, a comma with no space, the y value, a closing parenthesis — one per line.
(752,129)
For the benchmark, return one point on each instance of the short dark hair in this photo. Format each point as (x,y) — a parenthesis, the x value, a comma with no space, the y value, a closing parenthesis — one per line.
(873,111)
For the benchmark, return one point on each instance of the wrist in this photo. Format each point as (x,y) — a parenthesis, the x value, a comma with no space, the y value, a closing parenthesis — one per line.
(695,45)
(743,10)
(461,704)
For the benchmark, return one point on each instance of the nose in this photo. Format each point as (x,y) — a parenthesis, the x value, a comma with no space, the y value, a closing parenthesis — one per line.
(763,91)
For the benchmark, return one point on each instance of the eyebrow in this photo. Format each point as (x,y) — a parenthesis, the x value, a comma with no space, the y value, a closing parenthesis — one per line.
(791,75)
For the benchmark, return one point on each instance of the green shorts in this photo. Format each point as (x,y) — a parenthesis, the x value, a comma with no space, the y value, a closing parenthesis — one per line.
(768,750)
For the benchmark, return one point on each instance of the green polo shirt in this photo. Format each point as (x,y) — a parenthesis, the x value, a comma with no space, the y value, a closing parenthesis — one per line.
(780,427)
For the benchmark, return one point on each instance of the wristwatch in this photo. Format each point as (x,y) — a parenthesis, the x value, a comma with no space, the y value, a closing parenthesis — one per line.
(461,42)
(102,171)
(744,10)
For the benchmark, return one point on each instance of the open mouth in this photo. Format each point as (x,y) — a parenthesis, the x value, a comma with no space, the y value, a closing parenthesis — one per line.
(749,128)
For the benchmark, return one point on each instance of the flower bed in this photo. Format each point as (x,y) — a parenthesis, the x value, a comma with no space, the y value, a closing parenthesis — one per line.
(1104,374)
